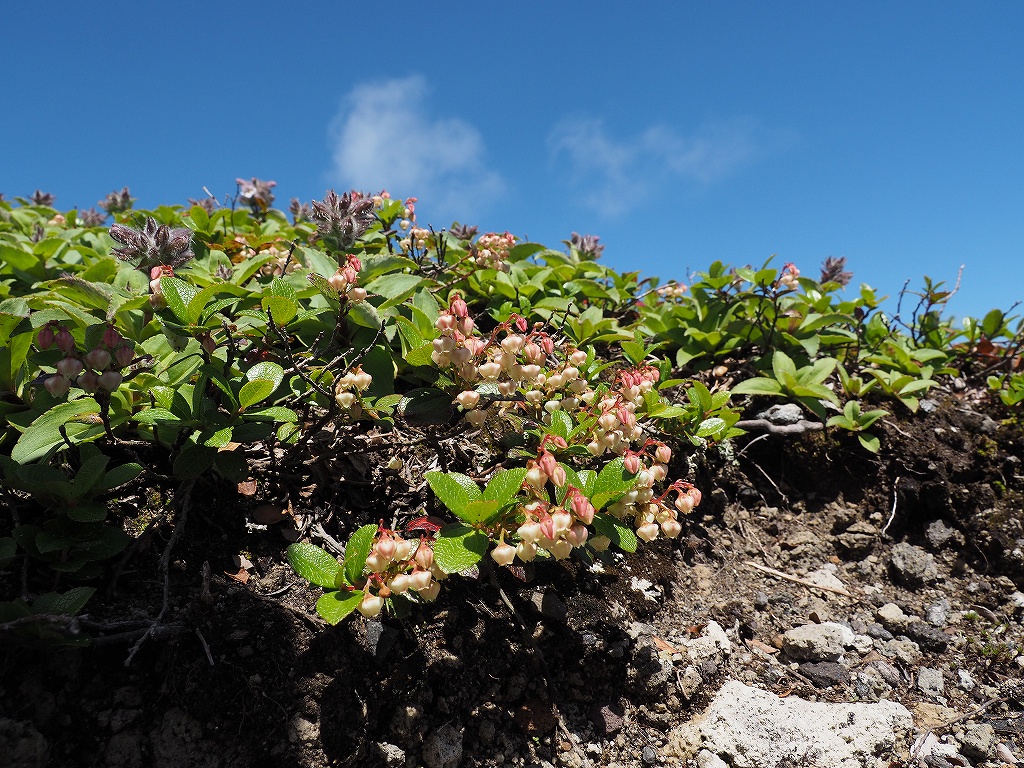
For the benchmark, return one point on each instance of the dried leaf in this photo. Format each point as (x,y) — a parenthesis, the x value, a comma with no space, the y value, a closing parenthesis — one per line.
(269,514)
(663,646)
(248,488)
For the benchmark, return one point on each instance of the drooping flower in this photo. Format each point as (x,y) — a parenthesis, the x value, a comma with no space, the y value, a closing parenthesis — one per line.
(117,202)
(586,245)
(256,193)
(42,198)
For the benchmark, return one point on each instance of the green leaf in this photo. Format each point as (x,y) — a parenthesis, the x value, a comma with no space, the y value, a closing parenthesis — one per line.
(336,605)
(421,355)
(356,551)
(505,484)
(193,461)
(869,441)
(88,512)
(782,365)
(89,474)
(275,413)
(118,476)
(44,433)
(459,547)
(621,535)
(634,352)
(365,314)
(561,424)
(178,294)
(281,308)
(425,406)
(67,603)
(314,564)
(757,387)
(479,511)
(449,492)
(710,426)
(263,379)
(8,550)
(155,416)
(614,478)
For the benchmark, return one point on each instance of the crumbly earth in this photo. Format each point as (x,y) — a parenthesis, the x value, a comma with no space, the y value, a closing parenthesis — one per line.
(564,665)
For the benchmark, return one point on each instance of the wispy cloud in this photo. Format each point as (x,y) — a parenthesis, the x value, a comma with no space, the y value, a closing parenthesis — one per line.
(608,171)
(385,136)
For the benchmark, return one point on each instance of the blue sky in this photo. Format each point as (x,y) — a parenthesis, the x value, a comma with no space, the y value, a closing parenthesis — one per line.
(680,133)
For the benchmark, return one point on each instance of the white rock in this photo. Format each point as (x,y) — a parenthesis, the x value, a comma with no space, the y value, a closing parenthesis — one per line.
(712,643)
(751,728)
(818,642)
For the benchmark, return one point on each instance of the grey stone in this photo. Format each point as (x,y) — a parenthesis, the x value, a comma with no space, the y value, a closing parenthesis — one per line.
(906,651)
(930,682)
(977,742)
(607,718)
(785,413)
(892,617)
(21,745)
(926,636)
(394,756)
(649,755)
(550,605)
(690,682)
(760,601)
(858,539)
(937,614)
(302,731)
(825,673)
(750,728)
(380,639)
(912,565)
(817,642)
(888,673)
(443,747)
(964,680)
(938,535)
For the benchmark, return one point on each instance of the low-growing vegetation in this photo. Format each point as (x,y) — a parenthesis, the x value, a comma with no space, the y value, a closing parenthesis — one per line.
(561,408)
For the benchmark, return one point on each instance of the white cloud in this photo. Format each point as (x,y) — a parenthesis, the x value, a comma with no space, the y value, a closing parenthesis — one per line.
(385,137)
(608,171)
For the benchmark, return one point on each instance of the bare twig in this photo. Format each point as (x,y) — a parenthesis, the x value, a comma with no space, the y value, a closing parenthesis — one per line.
(165,567)
(798,580)
(892,513)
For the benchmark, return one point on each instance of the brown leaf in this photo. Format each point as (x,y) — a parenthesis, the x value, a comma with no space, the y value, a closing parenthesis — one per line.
(663,646)
(756,644)
(247,488)
(269,514)
(242,577)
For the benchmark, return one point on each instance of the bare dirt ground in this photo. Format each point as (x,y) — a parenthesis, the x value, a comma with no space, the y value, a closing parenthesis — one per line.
(566,666)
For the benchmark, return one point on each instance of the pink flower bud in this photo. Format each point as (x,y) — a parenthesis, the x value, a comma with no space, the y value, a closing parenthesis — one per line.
(663,454)
(458,307)
(337,281)
(65,341)
(671,528)
(424,556)
(57,386)
(547,344)
(648,532)
(561,520)
(468,399)
(46,337)
(386,548)
(536,477)
(446,322)
(547,462)
(558,477)
(631,462)
(420,579)
(98,359)
(355,263)
(577,535)
(582,508)
(357,295)
(695,494)
(684,504)
(110,380)
(70,367)
(89,382)
(560,549)
(111,337)
(430,592)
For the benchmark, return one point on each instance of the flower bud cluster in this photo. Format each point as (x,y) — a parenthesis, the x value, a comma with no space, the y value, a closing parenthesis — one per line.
(399,566)
(492,250)
(418,238)
(672,291)
(788,278)
(98,369)
(349,388)
(345,280)
(617,427)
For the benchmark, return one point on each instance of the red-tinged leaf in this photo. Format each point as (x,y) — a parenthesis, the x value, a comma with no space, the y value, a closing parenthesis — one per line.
(429,525)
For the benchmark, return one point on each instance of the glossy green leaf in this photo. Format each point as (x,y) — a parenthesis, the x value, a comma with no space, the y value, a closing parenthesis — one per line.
(459,547)
(356,551)
(315,564)
(337,604)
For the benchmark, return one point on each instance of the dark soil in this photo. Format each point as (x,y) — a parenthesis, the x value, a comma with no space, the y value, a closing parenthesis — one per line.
(568,666)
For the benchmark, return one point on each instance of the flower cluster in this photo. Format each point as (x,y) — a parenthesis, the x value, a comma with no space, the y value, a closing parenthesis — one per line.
(155,245)
(92,371)
(418,238)
(345,280)
(42,198)
(348,389)
(117,202)
(398,566)
(256,194)
(671,291)
(788,279)
(586,245)
(650,515)
(341,219)
(492,250)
